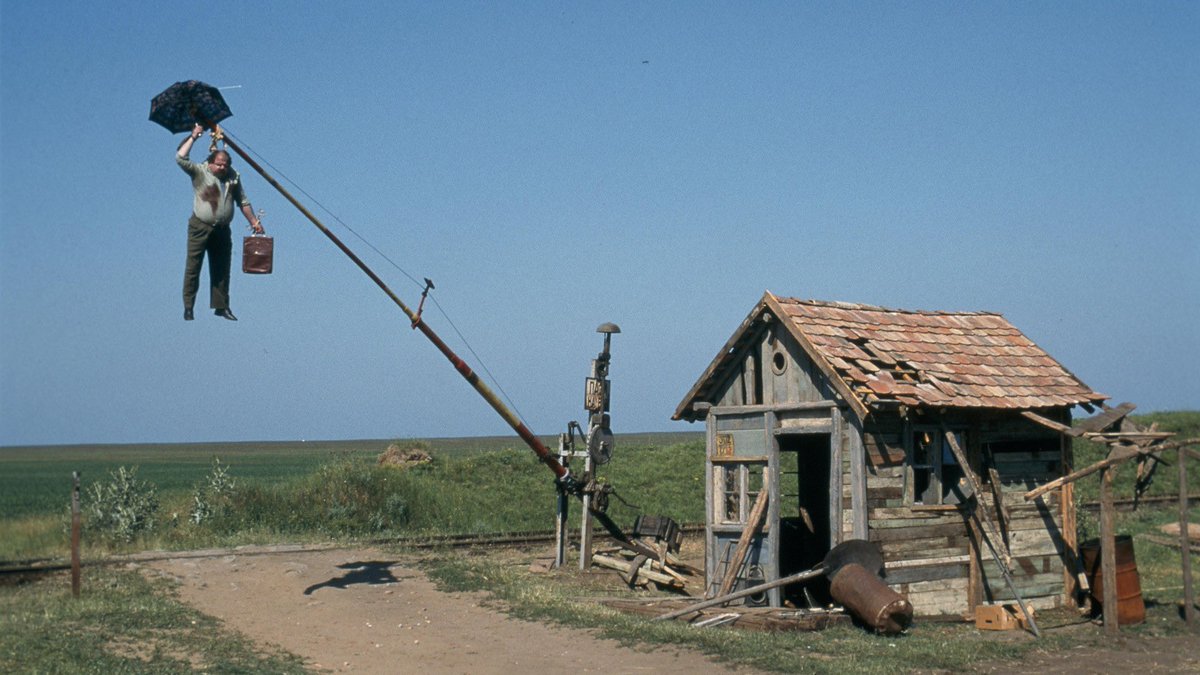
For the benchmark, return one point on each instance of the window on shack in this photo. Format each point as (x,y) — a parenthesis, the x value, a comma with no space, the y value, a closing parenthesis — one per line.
(934,475)
(738,485)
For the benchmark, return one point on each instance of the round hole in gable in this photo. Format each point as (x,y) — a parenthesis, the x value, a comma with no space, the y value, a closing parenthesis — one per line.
(779,362)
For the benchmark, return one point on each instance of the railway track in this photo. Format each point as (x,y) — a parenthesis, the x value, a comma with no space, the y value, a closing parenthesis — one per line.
(47,565)
(452,541)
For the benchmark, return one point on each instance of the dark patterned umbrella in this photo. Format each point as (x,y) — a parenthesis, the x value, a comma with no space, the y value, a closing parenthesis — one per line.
(180,106)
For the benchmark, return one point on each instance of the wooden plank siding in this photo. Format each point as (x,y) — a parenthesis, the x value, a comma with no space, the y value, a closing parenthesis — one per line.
(932,553)
(1025,456)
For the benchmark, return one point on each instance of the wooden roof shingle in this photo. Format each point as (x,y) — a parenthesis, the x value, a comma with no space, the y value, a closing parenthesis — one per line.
(878,356)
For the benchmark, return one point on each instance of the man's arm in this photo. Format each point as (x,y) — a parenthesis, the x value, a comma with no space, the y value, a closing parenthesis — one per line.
(185,148)
(248,211)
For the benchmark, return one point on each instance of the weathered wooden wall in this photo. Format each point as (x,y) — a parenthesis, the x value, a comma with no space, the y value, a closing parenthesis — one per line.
(771,370)
(932,552)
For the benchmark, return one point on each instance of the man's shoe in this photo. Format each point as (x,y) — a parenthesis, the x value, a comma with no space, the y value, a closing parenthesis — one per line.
(187,314)
(225,314)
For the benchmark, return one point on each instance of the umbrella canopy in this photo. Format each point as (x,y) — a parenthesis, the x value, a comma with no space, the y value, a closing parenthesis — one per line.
(180,106)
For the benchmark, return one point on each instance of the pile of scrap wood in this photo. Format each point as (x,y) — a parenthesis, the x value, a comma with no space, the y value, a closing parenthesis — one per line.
(639,569)
(653,556)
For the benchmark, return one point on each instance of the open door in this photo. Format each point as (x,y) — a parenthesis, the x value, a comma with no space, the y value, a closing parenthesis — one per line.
(738,468)
(804,516)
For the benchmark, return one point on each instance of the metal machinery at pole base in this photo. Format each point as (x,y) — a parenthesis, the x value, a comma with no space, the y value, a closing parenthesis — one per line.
(598,445)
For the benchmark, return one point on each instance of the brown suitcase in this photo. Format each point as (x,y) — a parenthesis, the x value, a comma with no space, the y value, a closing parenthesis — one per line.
(258,253)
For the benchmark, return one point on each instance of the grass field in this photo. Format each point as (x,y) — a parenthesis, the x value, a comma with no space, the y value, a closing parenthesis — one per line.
(37,480)
(304,490)
(325,491)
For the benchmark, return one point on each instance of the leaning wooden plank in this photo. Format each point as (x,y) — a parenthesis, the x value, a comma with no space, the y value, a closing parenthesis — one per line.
(657,566)
(1105,419)
(1116,458)
(722,599)
(973,481)
(1004,561)
(743,546)
(1051,424)
(1129,436)
(644,573)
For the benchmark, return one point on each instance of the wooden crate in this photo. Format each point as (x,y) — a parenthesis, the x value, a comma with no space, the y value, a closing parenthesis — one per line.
(999,617)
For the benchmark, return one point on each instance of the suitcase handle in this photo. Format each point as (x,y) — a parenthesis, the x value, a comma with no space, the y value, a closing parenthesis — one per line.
(260,215)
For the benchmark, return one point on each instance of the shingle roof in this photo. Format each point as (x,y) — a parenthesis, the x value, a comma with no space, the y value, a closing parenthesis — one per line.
(921,358)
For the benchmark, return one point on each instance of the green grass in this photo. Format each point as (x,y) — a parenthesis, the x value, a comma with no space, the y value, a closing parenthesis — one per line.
(563,598)
(37,480)
(568,598)
(306,492)
(121,623)
(298,492)
(1166,481)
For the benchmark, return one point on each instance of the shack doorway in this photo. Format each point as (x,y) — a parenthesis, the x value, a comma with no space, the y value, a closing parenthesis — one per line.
(804,517)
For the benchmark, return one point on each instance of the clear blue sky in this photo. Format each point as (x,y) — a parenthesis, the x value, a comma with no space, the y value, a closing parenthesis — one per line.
(556,165)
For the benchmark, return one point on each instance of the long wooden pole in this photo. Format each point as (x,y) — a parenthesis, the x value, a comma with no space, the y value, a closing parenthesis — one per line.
(1116,458)
(1004,561)
(463,369)
(76,526)
(743,544)
(1189,597)
(722,599)
(1108,553)
(563,476)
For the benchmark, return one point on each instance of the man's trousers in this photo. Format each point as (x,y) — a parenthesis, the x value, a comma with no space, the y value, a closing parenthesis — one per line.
(217,242)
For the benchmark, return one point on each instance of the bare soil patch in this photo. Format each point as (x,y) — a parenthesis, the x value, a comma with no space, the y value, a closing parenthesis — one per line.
(364,611)
(1125,654)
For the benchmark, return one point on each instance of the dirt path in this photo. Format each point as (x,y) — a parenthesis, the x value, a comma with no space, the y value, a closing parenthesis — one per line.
(362,611)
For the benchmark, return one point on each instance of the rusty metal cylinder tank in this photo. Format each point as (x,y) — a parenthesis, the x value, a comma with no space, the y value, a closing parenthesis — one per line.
(867,597)
(1131,608)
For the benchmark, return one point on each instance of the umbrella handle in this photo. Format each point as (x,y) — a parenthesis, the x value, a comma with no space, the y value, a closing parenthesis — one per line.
(218,136)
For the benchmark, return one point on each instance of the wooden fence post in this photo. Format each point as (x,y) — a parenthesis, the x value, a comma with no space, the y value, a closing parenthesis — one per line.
(1189,597)
(76,581)
(1108,553)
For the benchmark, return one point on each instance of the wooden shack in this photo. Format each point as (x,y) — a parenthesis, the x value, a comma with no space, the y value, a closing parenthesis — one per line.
(844,413)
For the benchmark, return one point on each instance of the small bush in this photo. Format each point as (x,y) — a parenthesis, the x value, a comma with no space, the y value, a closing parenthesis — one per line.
(123,507)
(212,494)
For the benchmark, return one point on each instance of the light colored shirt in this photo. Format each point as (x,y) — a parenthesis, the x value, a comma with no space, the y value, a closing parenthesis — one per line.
(214,197)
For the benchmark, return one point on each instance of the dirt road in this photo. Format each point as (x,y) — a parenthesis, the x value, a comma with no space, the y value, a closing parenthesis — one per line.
(362,611)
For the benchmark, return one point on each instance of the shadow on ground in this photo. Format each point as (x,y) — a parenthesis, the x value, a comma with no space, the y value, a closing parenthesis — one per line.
(371,573)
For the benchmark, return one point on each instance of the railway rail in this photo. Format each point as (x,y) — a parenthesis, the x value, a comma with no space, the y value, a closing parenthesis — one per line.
(47,565)
(453,541)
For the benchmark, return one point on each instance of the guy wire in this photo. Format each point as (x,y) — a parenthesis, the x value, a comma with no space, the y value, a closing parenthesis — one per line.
(391,262)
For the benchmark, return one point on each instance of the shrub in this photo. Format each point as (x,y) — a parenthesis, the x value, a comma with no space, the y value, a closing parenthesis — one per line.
(122,507)
(212,494)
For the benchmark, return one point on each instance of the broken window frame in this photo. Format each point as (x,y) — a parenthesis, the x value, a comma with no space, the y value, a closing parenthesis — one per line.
(927,453)
(737,485)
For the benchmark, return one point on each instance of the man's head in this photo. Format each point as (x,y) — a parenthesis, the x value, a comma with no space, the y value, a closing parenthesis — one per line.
(218,163)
